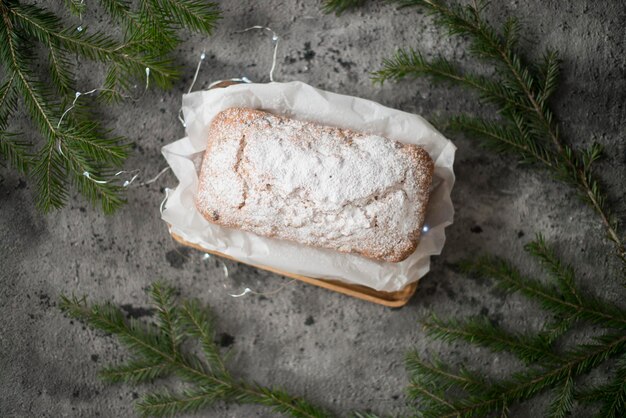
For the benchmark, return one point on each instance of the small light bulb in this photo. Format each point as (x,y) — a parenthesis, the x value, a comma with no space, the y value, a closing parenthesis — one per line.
(202,56)
(426,228)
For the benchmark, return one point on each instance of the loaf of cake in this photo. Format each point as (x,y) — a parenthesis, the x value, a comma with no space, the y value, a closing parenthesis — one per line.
(315,185)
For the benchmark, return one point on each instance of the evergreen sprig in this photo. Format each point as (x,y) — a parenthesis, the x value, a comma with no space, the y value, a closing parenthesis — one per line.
(340,6)
(163,350)
(520,91)
(75,148)
(442,392)
(547,367)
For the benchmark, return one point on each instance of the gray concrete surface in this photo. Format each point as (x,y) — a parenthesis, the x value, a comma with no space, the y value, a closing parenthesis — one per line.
(336,351)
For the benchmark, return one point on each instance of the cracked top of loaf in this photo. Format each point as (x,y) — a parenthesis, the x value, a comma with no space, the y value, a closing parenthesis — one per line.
(316,185)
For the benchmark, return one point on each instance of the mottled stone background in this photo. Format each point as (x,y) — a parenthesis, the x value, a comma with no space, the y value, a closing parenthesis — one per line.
(339,352)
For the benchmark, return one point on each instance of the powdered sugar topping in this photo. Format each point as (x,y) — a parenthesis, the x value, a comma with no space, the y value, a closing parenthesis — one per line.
(313,184)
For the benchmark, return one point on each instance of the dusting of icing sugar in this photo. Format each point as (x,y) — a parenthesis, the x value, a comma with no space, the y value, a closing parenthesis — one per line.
(313,184)
(228,187)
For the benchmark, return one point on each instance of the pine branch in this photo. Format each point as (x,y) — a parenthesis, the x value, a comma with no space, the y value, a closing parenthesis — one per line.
(503,138)
(281,402)
(524,102)
(142,340)
(45,26)
(12,149)
(563,275)
(95,145)
(199,324)
(168,404)
(523,385)
(118,9)
(412,64)
(556,370)
(432,385)
(510,33)
(49,171)
(612,395)
(59,155)
(358,414)
(114,85)
(563,401)
(35,95)
(155,24)
(76,150)
(510,279)
(480,331)
(61,76)
(549,71)
(15,151)
(167,314)
(135,371)
(432,403)
(198,15)
(340,6)
(158,353)
(438,375)
(76,7)
(136,32)
(94,189)
(8,100)
(555,329)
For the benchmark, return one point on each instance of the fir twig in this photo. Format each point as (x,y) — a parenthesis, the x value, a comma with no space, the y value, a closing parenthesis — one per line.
(76,7)
(585,307)
(340,6)
(555,370)
(199,324)
(481,331)
(563,401)
(135,371)
(435,402)
(438,375)
(411,63)
(76,150)
(158,353)
(57,157)
(15,151)
(521,95)
(198,15)
(612,395)
(12,148)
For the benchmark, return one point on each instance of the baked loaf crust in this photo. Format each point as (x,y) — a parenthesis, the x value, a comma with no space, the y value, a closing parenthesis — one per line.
(316,185)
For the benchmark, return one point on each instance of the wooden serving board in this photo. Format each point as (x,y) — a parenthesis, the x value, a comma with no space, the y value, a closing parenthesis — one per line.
(391,299)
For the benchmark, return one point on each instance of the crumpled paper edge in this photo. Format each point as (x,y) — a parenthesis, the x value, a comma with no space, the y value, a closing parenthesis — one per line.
(301,101)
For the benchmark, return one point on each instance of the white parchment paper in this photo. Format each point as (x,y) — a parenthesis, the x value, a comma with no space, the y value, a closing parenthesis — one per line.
(301,101)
